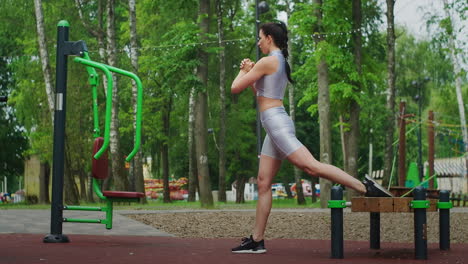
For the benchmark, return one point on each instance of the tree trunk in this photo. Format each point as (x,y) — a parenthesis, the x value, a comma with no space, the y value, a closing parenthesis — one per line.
(352,146)
(46,71)
(201,110)
(83,190)
(192,175)
(240,188)
(120,180)
(222,118)
(292,113)
(139,183)
(71,194)
(391,121)
(43,184)
(165,115)
(343,143)
(314,181)
(97,32)
(287,188)
(323,109)
(48,177)
(458,90)
(101,38)
(90,198)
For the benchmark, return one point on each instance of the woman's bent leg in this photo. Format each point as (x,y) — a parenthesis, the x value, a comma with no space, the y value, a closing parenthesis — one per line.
(303,159)
(266,172)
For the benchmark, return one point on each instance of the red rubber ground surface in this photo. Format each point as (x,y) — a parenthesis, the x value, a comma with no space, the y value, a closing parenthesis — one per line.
(29,248)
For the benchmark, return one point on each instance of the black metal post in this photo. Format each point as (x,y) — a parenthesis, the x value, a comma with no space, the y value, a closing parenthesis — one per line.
(420,226)
(337,224)
(444,222)
(375,230)
(56,235)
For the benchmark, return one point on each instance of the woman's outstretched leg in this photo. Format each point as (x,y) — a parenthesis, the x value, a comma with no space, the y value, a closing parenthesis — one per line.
(266,172)
(303,159)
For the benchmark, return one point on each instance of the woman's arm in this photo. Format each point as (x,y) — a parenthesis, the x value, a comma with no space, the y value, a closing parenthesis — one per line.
(247,77)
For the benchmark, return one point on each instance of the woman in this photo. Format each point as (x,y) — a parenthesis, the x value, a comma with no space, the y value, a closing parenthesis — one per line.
(268,79)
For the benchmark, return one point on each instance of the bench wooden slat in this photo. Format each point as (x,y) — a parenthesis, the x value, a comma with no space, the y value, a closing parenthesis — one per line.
(387,205)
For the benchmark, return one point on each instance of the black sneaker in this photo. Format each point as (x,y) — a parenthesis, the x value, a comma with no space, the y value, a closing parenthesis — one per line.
(374,189)
(248,245)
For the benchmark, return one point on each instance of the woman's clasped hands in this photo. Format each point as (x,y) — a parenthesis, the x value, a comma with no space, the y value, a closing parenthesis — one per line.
(246,65)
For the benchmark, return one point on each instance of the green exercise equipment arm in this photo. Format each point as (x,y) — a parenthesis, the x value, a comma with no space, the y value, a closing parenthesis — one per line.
(139,107)
(92,64)
(94,82)
(108,74)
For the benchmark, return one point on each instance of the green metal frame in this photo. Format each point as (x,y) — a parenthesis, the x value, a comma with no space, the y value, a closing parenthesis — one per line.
(336,204)
(107,69)
(444,205)
(108,74)
(108,209)
(94,82)
(419,204)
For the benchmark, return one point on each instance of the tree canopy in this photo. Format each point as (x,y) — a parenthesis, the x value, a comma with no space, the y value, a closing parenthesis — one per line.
(169,45)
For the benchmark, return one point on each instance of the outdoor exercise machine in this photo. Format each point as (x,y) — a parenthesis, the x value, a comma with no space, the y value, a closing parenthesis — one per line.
(67,48)
(418,204)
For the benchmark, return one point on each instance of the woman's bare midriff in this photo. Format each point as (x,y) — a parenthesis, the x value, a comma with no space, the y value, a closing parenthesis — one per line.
(265,103)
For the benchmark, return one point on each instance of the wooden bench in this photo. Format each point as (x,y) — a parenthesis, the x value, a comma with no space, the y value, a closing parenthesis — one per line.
(418,205)
(387,205)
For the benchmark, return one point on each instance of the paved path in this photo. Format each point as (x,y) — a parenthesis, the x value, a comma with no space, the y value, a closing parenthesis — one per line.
(21,233)
(38,222)
(23,221)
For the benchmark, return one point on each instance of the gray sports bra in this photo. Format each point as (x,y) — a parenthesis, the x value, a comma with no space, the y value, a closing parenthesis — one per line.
(273,85)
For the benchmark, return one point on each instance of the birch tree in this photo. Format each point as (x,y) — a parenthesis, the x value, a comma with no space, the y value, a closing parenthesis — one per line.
(137,164)
(450,28)
(44,55)
(192,173)
(120,181)
(47,75)
(97,32)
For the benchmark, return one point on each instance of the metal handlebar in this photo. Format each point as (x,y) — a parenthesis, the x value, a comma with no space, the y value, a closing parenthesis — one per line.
(139,108)
(107,69)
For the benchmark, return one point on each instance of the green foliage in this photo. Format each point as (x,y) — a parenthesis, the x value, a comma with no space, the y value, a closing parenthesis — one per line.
(169,42)
(336,49)
(12,136)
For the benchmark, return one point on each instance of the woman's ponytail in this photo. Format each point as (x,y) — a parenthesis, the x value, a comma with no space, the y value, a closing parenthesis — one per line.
(279,32)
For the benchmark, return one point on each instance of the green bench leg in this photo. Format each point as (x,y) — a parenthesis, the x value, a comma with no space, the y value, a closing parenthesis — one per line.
(109,212)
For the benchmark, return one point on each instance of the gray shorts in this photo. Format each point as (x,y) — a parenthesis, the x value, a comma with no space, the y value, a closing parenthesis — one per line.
(281,139)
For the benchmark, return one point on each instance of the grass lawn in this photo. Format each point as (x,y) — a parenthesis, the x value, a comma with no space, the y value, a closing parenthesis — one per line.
(175,205)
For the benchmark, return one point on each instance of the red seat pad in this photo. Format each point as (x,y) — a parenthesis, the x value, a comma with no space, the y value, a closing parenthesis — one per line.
(117,194)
